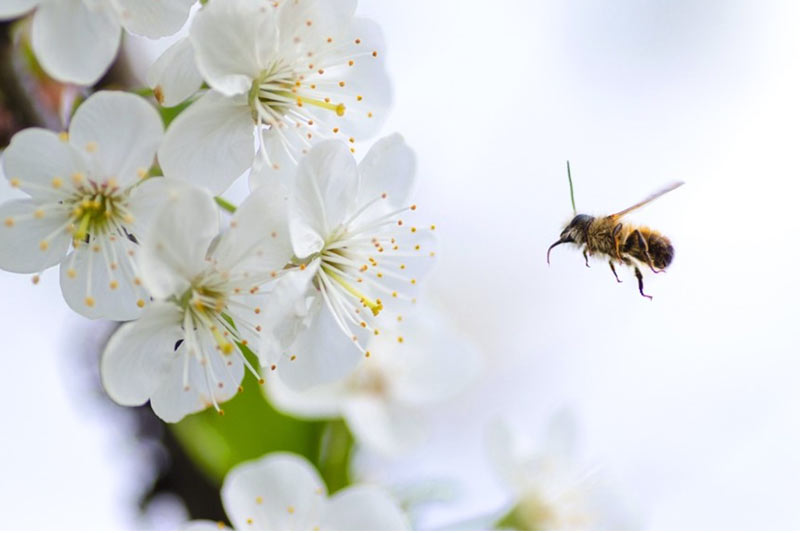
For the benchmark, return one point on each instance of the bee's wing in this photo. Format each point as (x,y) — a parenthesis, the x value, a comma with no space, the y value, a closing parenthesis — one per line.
(665,190)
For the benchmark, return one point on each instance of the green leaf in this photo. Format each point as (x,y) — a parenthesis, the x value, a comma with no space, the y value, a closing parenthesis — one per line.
(250,428)
(336,447)
(168,114)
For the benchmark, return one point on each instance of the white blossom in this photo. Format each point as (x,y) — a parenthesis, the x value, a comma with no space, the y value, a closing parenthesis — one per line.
(185,353)
(76,40)
(357,261)
(385,400)
(86,194)
(550,487)
(283,491)
(282,75)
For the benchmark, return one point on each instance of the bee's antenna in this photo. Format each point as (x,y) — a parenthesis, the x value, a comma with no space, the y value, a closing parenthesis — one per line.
(571,190)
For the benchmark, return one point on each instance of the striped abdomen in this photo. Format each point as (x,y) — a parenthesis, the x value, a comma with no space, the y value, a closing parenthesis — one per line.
(658,246)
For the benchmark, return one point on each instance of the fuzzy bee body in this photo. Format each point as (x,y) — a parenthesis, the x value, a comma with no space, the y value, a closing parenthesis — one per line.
(621,242)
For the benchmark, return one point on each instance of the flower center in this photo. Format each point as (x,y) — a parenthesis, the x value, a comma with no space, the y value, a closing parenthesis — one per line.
(278,92)
(205,306)
(96,209)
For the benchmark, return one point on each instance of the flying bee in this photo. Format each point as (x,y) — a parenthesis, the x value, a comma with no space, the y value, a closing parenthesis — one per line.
(621,242)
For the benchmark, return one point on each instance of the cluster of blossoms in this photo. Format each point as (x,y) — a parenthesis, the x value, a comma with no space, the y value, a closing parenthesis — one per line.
(310,284)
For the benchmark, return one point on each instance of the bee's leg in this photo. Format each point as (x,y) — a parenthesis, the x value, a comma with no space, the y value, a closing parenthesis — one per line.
(645,248)
(614,270)
(614,235)
(639,277)
(586,256)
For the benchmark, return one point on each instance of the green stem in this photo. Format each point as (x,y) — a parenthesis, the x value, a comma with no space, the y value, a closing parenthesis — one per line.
(336,446)
(225,204)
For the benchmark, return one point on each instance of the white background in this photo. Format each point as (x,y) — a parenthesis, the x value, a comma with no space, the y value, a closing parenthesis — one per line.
(687,403)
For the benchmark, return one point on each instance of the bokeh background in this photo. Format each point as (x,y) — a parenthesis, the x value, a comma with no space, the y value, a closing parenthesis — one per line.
(687,405)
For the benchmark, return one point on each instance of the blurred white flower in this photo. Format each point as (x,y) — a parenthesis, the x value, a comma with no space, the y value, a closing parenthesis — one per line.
(184,354)
(355,255)
(550,488)
(385,399)
(283,491)
(289,72)
(76,40)
(86,191)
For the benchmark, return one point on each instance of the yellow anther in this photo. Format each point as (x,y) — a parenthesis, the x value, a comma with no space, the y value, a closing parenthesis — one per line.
(63,136)
(142,173)
(77,178)
(139,303)
(91,146)
(44,245)
(89,301)
(57,182)
(39,213)
(113,285)
(9,222)
(374,306)
(399,339)
(225,346)
(71,274)
(290,509)
(14,182)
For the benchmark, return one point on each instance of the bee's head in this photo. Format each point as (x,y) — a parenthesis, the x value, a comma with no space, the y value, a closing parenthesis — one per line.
(575,231)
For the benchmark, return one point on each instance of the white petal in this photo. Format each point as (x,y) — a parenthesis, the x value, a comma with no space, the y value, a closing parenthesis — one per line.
(281,153)
(323,352)
(13,8)
(154,19)
(87,278)
(174,76)
(280,491)
(327,20)
(287,313)
(434,362)
(220,376)
(363,508)
(381,426)
(389,168)
(119,133)
(7,191)
(147,198)
(324,194)
(31,244)
(73,42)
(136,358)
(368,79)
(174,249)
(324,401)
(364,88)
(36,157)
(211,143)
(258,240)
(234,41)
